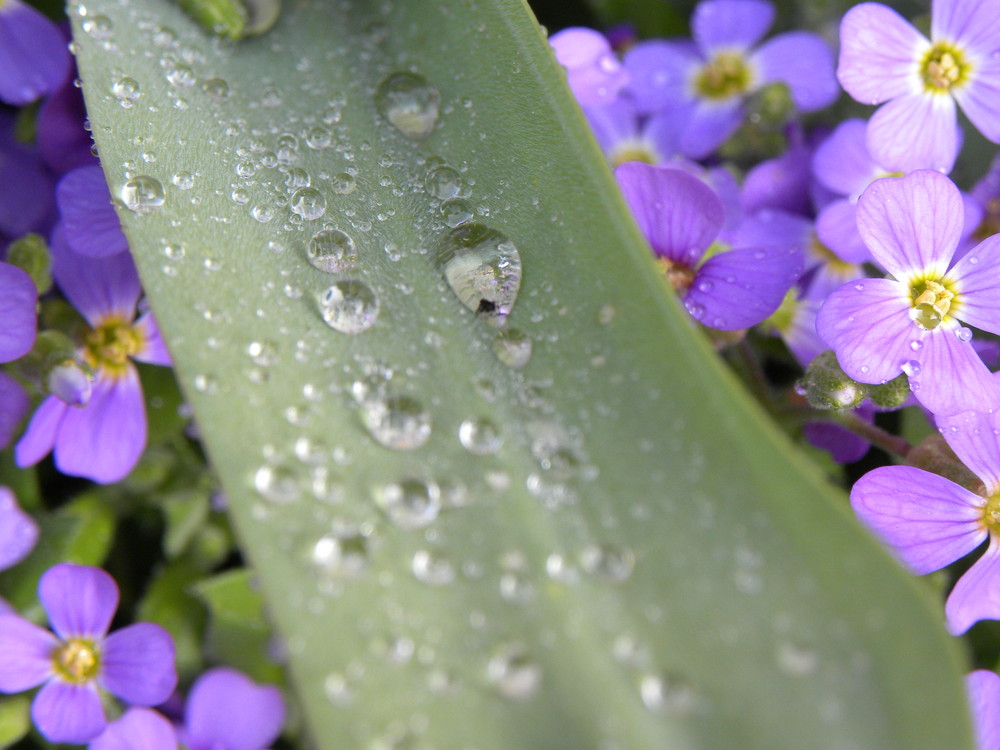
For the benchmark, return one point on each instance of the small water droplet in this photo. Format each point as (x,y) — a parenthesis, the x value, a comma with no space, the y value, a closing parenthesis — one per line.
(608,562)
(443,183)
(963,334)
(142,194)
(216,89)
(263,353)
(183,180)
(513,673)
(696,310)
(98,27)
(705,285)
(308,203)
(126,91)
(340,554)
(397,422)
(343,183)
(865,369)
(513,348)
(318,138)
(408,102)
(332,251)
(916,345)
(859,287)
(911,367)
(480,437)
(456,212)
(262,212)
(411,503)
(349,307)
(277,483)
(483,269)
(431,568)
(667,694)
(181,77)
(796,661)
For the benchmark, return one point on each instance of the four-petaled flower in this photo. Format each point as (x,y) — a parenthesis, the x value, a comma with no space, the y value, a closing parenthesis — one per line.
(80,660)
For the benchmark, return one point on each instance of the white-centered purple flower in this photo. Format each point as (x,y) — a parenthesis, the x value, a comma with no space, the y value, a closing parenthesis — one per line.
(929,521)
(680,217)
(80,660)
(706,82)
(103,439)
(885,59)
(983,687)
(624,135)
(592,70)
(34,58)
(912,321)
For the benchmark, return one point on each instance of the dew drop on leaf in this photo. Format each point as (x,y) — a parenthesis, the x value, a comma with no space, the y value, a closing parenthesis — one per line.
(142,194)
(409,103)
(483,269)
(332,251)
(349,307)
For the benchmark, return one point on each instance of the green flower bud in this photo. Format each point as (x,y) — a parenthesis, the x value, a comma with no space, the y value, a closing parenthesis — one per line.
(826,386)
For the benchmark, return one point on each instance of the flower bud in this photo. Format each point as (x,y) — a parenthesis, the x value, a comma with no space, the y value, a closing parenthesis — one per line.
(826,386)
(70,382)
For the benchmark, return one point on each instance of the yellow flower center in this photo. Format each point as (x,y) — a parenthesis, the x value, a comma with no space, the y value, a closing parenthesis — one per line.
(109,346)
(723,77)
(680,277)
(932,301)
(633,151)
(76,660)
(944,67)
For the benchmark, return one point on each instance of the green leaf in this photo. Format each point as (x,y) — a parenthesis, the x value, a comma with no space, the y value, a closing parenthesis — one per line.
(169,602)
(643,562)
(15,719)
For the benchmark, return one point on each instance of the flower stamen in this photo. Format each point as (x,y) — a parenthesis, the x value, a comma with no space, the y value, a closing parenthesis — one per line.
(944,67)
(680,277)
(110,344)
(76,660)
(931,303)
(724,76)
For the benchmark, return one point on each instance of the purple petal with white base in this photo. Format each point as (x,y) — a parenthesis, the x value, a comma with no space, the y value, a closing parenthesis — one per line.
(25,654)
(868,325)
(679,215)
(980,99)
(97,287)
(978,273)
(804,62)
(64,712)
(983,687)
(730,25)
(974,24)
(913,223)
(18,530)
(927,520)
(137,729)
(952,377)
(18,298)
(878,52)
(14,405)
(79,600)
(220,694)
(138,664)
(740,288)
(89,219)
(34,59)
(708,125)
(915,132)
(104,440)
(976,595)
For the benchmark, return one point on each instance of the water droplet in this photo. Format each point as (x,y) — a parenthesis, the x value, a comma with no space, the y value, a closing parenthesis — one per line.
(916,345)
(513,673)
(349,307)
(142,194)
(263,353)
(911,367)
(262,212)
(480,437)
(705,285)
(318,138)
(456,212)
(338,690)
(443,183)
(126,91)
(277,483)
(411,503)
(696,310)
(796,661)
(963,334)
(397,422)
(296,177)
(667,694)
(343,183)
(408,102)
(340,554)
(516,588)
(216,89)
(865,369)
(308,203)
(181,77)
(974,259)
(430,568)
(183,180)
(513,348)
(608,562)
(483,268)
(98,27)
(859,287)
(332,251)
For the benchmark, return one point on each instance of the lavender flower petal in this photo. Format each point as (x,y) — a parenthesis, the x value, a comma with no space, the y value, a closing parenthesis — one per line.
(980,98)
(804,62)
(976,595)
(973,24)
(878,52)
(837,229)
(660,73)
(104,440)
(740,288)
(593,72)
(915,131)
(25,184)
(927,520)
(983,687)
(868,325)
(952,377)
(678,213)
(25,654)
(137,729)
(613,124)
(64,712)
(843,445)
(781,183)
(79,600)
(18,530)
(913,223)
(62,140)
(730,24)
(964,433)
(89,219)
(14,404)
(708,125)
(221,694)
(154,350)
(978,278)
(842,162)
(138,664)
(18,297)
(40,437)
(34,59)
(97,287)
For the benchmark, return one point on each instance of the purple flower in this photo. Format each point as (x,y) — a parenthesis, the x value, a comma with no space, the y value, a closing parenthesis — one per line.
(103,439)
(885,59)
(216,698)
(18,530)
(594,74)
(62,140)
(626,136)
(81,660)
(983,687)
(90,223)
(34,59)
(138,729)
(25,184)
(680,217)
(18,299)
(912,321)
(930,521)
(706,83)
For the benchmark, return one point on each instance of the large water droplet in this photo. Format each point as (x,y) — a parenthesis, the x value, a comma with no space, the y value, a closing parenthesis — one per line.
(513,348)
(411,503)
(126,91)
(443,183)
(408,102)
(217,89)
(142,194)
(349,307)
(308,203)
(332,251)
(431,568)
(343,183)
(341,554)
(397,422)
(483,268)
(456,212)
(480,437)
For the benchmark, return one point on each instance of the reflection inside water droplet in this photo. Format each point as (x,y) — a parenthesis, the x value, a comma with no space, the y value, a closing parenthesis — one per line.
(349,307)
(408,102)
(483,269)
(142,194)
(332,251)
